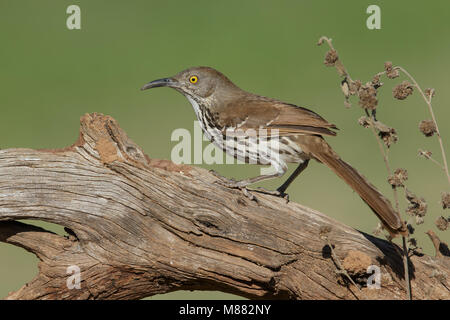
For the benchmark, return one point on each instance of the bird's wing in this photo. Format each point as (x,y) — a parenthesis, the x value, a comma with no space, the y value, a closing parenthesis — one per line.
(264,114)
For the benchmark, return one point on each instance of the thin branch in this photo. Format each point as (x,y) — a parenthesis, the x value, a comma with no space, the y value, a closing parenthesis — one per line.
(430,108)
(406,267)
(341,270)
(429,157)
(386,163)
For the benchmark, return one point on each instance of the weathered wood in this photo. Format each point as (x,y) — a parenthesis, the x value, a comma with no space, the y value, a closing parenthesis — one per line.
(146,226)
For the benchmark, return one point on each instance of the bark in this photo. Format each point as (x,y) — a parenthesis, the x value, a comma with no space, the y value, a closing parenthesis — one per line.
(139,226)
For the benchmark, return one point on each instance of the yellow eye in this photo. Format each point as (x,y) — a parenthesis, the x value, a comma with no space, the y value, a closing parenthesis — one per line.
(193,79)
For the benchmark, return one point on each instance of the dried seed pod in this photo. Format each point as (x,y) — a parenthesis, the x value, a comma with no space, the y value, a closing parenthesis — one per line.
(331,57)
(368,97)
(425,153)
(388,66)
(427,127)
(376,82)
(415,246)
(391,72)
(430,92)
(403,90)
(419,219)
(398,178)
(364,121)
(389,135)
(441,223)
(446,200)
(416,206)
(389,138)
(355,86)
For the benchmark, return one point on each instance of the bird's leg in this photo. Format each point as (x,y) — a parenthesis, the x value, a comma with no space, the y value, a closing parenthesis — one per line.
(242,184)
(231,183)
(302,166)
(280,192)
(374,115)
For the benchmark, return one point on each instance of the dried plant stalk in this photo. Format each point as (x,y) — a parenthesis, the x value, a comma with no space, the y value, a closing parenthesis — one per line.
(367,99)
(430,109)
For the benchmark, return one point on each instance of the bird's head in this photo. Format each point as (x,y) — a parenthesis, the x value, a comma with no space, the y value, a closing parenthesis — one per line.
(198,83)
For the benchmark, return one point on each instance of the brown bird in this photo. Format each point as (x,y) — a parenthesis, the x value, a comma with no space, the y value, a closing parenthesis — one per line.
(268,131)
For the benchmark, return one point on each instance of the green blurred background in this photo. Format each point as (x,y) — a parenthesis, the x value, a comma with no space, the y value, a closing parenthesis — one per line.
(50,76)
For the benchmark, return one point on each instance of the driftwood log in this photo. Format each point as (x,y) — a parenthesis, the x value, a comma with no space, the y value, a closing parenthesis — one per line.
(140,226)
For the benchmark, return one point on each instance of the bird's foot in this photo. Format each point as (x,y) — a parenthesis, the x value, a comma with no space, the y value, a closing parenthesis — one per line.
(226,182)
(242,185)
(276,193)
(234,184)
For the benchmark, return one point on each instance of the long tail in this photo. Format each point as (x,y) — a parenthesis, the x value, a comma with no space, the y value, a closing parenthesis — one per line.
(379,204)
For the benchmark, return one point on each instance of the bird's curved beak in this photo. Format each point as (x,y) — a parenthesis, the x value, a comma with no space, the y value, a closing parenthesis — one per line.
(165,82)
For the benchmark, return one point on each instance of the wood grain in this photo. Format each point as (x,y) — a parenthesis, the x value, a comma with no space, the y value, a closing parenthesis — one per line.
(144,226)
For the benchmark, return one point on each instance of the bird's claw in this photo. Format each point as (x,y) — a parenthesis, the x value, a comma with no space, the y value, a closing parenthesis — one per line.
(276,193)
(233,184)
(229,183)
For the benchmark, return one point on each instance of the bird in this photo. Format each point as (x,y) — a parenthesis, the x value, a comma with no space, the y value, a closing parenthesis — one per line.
(253,122)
